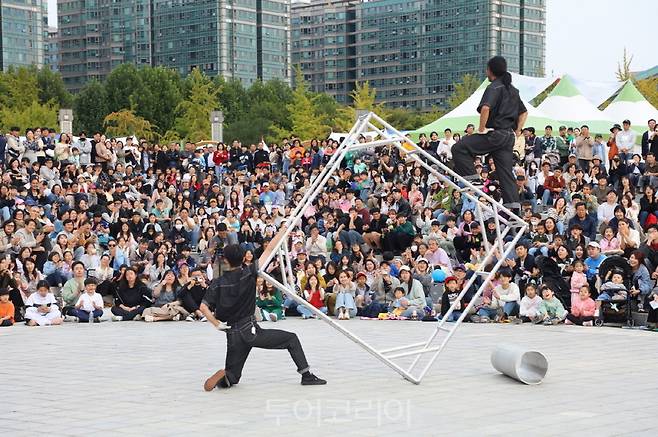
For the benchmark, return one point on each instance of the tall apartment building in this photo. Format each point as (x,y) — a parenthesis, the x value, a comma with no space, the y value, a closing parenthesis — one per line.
(413,51)
(244,39)
(23,26)
(51,50)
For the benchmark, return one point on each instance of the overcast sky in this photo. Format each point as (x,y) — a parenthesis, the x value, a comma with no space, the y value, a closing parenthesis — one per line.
(585,38)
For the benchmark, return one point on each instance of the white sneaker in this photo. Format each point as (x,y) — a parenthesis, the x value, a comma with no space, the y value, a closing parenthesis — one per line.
(71,319)
(149,318)
(347,314)
(138,317)
(189,319)
(176,318)
(203,319)
(273,317)
(117,318)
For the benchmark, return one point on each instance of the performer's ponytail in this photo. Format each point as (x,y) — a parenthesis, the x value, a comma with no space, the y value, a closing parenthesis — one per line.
(498,67)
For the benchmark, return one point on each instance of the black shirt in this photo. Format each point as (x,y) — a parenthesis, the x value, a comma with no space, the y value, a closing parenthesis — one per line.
(504,104)
(233,295)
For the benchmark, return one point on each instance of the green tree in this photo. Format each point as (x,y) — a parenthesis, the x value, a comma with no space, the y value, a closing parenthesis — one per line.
(305,120)
(18,87)
(121,85)
(126,122)
(193,120)
(232,97)
(463,90)
(159,95)
(363,97)
(90,108)
(34,114)
(51,87)
(624,67)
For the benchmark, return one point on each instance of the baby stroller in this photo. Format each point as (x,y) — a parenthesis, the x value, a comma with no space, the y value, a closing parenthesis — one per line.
(552,278)
(617,311)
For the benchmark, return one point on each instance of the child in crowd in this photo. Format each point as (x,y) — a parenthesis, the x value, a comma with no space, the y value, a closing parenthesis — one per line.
(582,308)
(449,296)
(400,303)
(6,308)
(551,310)
(612,290)
(89,305)
(578,279)
(41,307)
(535,277)
(529,311)
(539,241)
(504,300)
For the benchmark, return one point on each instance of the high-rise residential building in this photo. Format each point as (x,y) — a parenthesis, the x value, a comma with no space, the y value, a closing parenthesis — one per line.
(51,50)
(22,32)
(244,39)
(324,45)
(413,51)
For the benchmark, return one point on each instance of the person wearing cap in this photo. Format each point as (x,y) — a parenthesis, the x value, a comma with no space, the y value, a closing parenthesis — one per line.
(414,296)
(593,261)
(563,144)
(625,141)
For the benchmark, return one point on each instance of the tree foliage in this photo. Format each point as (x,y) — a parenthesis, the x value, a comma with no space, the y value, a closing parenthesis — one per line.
(463,90)
(305,119)
(126,122)
(363,98)
(51,87)
(624,67)
(33,115)
(90,108)
(193,120)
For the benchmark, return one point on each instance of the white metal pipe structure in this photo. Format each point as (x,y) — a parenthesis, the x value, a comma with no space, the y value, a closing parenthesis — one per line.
(508,226)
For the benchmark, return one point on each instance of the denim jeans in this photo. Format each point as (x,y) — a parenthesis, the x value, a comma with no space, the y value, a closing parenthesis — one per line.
(542,251)
(350,237)
(83,315)
(303,311)
(455,316)
(345,300)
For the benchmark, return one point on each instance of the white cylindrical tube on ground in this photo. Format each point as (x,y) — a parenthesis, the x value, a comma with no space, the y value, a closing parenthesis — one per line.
(526,366)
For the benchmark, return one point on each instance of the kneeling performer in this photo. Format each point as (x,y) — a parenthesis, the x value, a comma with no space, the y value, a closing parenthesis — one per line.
(233,297)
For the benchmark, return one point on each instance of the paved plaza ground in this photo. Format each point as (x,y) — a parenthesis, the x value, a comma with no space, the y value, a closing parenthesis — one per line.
(138,379)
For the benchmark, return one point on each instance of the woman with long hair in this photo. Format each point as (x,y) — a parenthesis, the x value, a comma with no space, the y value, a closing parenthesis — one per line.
(166,305)
(132,297)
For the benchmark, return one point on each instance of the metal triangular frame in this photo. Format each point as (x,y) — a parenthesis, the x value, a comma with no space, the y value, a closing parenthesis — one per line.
(509,227)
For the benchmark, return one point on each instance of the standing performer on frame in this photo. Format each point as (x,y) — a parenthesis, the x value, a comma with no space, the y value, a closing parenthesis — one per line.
(233,298)
(502,115)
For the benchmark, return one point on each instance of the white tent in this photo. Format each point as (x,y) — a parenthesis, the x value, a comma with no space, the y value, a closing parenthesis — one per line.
(596,92)
(630,104)
(530,87)
(567,104)
(466,113)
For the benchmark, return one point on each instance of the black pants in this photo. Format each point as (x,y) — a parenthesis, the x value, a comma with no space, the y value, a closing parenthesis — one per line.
(397,241)
(240,340)
(6,323)
(127,315)
(500,145)
(579,320)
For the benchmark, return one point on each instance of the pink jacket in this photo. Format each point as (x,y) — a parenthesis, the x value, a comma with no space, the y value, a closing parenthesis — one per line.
(583,308)
(577,281)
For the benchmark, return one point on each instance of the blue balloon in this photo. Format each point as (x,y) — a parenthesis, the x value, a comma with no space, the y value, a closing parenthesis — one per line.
(438,275)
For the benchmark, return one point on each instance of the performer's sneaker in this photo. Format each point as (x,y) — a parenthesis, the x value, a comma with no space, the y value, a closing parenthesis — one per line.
(310,379)
(212,382)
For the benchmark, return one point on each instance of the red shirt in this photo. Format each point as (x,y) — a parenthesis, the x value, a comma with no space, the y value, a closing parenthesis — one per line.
(315,299)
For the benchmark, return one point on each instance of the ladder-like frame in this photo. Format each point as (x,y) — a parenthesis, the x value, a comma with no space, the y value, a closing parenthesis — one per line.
(509,226)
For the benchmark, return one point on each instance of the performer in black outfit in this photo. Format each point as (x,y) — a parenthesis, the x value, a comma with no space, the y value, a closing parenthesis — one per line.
(502,115)
(233,297)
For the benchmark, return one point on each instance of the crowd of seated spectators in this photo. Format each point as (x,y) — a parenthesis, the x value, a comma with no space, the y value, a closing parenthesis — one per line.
(97,228)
